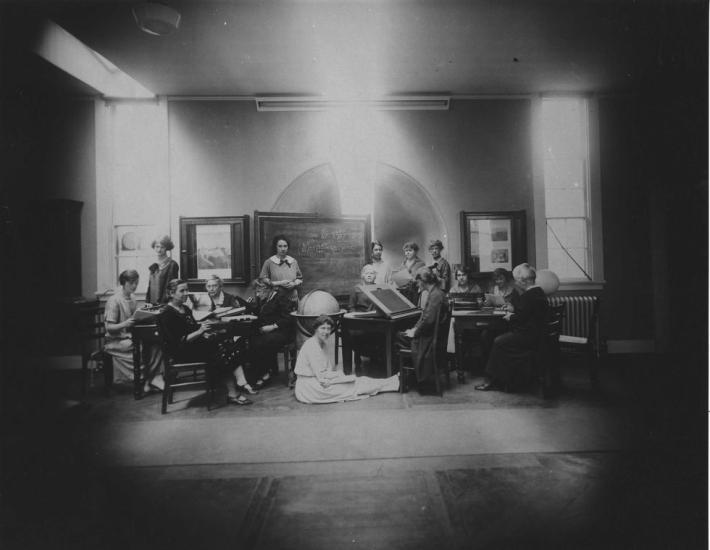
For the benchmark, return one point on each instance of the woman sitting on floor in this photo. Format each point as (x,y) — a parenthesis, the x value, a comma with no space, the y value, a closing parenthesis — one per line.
(319,381)
(189,341)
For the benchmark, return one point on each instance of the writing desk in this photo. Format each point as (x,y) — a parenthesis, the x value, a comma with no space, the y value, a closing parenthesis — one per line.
(374,324)
(479,320)
(149,334)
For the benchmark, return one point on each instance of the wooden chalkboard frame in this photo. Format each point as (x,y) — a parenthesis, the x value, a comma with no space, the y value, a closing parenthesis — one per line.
(261,240)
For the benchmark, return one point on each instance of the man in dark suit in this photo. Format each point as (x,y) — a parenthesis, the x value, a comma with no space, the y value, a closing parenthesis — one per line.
(509,361)
(421,336)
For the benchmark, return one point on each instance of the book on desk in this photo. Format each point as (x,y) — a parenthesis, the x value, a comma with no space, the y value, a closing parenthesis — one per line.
(389,302)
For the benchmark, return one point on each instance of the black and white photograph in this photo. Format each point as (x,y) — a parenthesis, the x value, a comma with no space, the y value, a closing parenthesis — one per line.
(364,274)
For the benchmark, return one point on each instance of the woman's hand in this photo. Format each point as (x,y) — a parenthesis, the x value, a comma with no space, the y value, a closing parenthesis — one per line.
(268,328)
(128,323)
(409,332)
(288,284)
(325,383)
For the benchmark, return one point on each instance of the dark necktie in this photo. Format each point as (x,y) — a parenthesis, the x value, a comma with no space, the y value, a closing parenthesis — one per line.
(213,306)
(282,262)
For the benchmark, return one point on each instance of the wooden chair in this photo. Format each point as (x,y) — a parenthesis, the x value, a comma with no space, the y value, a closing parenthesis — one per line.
(290,353)
(547,357)
(440,359)
(586,346)
(92,333)
(182,376)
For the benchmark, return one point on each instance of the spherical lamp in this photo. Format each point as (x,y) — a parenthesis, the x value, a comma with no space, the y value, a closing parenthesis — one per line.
(548,281)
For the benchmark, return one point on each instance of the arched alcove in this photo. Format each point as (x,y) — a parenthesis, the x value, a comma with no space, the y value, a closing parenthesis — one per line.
(404,211)
(402,208)
(314,191)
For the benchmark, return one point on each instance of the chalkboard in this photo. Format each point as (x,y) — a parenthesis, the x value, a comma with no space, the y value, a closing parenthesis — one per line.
(330,250)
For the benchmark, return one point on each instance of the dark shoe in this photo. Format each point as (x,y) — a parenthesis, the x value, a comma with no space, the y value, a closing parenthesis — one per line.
(240,400)
(487,386)
(246,388)
(262,383)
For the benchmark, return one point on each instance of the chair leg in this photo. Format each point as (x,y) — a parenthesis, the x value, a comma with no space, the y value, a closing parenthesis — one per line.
(107,365)
(166,393)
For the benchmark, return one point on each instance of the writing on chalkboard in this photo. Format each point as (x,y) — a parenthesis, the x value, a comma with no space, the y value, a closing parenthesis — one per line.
(330,250)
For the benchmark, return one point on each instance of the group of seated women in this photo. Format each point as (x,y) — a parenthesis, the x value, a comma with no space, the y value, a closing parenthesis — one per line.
(275,297)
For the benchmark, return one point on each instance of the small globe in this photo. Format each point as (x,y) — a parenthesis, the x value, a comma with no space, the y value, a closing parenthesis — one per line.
(318,302)
(547,280)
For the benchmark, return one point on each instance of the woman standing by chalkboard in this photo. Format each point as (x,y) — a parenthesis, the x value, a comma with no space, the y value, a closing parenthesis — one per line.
(282,270)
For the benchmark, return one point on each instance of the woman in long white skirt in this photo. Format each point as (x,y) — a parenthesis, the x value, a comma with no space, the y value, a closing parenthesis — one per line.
(319,381)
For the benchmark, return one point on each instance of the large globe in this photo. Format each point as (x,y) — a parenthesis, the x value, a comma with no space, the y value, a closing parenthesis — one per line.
(313,304)
(318,302)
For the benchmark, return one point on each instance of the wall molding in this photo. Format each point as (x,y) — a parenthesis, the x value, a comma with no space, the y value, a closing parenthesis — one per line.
(630,346)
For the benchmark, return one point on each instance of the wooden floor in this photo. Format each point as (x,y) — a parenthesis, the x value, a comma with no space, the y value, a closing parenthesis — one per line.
(91,475)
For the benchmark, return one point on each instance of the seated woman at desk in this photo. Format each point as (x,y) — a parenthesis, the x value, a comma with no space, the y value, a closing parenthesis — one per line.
(216,297)
(463,284)
(187,341)
(462,287)
(407,271)
(503,286)
(273,328)
(118,319)
(282,270)
(319,381)
(164,270)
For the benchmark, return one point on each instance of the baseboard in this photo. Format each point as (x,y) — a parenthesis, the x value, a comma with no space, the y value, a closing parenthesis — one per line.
(630,346)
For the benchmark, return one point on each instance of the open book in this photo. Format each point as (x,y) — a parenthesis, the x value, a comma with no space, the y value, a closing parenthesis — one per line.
(217,313)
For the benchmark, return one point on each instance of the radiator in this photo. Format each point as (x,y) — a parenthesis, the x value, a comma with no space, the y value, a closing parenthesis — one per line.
(580,318)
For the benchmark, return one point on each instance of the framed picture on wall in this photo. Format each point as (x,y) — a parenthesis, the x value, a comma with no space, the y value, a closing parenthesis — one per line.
(215,246)
(492,240)
(133,251)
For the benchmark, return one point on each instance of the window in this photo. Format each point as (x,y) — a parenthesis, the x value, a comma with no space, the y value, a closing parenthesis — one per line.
(566,167)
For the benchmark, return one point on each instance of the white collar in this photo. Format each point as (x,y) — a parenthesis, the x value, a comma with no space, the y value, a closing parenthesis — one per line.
(289,260)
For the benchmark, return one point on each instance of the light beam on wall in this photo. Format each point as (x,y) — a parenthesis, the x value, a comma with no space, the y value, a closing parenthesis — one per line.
(63,50)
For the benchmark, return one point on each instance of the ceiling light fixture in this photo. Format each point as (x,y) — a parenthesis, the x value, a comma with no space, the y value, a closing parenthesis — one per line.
(156,19)
(392,103)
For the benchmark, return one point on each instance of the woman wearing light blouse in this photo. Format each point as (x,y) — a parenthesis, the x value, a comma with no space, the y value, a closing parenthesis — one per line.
(282,270)
(319,381)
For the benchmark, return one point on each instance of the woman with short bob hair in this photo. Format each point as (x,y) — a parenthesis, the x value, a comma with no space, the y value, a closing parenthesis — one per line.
(161,272)
(319,381)
(407,271)
(282,270)
(118,319)
(188,341)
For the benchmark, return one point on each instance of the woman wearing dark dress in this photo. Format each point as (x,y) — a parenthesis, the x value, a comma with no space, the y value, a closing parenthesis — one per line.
(187,341)
(164,270)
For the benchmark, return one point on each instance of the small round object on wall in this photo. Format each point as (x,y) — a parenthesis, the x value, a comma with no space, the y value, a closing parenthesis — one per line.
(548,281)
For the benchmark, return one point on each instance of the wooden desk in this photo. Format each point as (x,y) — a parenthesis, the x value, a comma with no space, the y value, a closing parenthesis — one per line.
(478,320)
(375,325)
(148,334)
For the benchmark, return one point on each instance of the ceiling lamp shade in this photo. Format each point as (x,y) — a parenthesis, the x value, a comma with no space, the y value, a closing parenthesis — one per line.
(156,19)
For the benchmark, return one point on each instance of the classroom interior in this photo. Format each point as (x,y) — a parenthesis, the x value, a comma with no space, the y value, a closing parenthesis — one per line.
(216,119)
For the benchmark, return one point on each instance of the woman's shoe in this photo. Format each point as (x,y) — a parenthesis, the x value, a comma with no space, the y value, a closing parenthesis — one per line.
(263,381)
(239,400)
(246,388)
(487,386)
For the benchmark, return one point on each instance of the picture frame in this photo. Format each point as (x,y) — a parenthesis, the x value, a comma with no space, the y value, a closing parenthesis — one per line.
(214,246)
(133,251)
(492,240)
